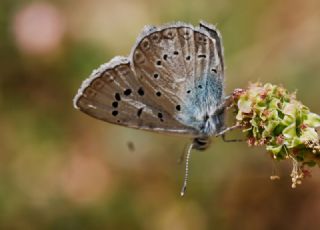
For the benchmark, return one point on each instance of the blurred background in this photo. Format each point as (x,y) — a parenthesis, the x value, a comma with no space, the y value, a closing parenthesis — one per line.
(60,169)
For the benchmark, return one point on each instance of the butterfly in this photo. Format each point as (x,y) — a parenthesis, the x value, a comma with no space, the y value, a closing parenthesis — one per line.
(172,82)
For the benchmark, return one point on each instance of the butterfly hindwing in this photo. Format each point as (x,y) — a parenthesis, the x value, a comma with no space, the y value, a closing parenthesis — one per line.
(113,94)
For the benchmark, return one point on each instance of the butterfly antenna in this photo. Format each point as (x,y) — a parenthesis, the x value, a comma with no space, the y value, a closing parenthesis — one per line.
(183,155)
(185,181)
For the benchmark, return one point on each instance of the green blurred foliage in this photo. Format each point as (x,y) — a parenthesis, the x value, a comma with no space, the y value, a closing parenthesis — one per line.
(60,169)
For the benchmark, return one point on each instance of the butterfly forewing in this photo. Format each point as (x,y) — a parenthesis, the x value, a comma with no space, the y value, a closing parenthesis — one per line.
(182,64)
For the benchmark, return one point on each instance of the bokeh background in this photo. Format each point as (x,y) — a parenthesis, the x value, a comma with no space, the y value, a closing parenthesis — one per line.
(60,169)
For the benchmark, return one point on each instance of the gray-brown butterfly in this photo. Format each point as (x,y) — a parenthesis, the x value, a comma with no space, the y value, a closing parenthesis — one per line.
(172,82)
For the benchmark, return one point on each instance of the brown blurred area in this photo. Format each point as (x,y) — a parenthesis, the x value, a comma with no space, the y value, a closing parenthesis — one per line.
(60,169)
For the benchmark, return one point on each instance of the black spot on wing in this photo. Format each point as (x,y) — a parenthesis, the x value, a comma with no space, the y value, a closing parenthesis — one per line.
(202,56)
(115,104)
(141,91)
(139,112)
(160,116)
(117,96)
(127,92)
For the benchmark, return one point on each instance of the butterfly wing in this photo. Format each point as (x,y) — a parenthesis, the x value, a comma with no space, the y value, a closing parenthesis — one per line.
(113,94)
(173,76)
(182,67)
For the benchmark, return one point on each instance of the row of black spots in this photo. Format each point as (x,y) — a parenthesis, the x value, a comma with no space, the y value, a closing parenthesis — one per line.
(189,91)
(165,57)
(127,92)
(159,62)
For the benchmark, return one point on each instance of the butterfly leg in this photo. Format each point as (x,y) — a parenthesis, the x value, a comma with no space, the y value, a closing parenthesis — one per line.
(223,136)
(224,131)
(227,104)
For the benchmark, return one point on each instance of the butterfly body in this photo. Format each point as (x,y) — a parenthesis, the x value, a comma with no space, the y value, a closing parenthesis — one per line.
(172,82)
